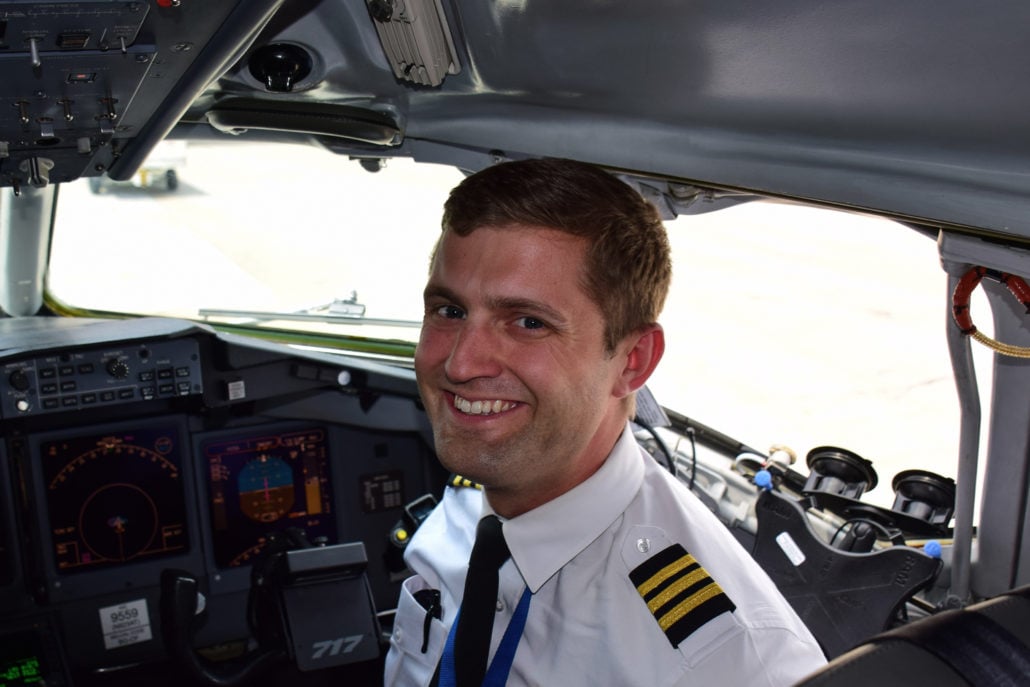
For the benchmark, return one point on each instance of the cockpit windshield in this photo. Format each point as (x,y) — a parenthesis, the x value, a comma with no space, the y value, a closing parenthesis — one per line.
(787,325)
(238,243)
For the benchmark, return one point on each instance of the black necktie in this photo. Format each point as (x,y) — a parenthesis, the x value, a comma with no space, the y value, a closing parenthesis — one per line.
(478,605)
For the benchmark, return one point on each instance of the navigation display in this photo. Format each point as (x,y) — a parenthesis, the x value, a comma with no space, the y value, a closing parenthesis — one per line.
(114,497)
(267,481)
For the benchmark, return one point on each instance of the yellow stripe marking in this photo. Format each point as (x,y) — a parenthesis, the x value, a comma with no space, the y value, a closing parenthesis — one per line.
(665,573)
(677,588)
(670,618)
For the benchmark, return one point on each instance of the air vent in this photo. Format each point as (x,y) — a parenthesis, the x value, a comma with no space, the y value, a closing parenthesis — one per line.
(416,39)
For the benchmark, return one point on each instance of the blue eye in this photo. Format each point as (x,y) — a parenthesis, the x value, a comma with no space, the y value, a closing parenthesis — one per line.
(531,323)
(450,312)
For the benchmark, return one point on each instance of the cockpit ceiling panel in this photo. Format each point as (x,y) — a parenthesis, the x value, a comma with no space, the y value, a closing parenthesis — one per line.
(83,80)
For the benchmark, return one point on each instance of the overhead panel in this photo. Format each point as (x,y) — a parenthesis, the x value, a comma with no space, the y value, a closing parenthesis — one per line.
(82,80)
(70,70)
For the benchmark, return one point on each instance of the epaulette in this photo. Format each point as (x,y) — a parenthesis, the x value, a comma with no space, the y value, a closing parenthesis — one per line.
(457,481)
(679,592)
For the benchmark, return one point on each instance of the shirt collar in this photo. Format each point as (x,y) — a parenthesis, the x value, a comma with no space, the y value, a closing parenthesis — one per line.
(544,539)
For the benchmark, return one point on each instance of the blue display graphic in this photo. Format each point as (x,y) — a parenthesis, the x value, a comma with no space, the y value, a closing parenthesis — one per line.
(263,482)
(266,488)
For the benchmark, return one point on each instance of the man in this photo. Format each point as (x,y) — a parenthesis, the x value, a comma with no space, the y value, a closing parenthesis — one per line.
(540,325)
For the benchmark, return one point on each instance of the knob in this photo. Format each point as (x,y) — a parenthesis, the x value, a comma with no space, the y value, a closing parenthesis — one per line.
(117,368)
(19,380)
(280,66)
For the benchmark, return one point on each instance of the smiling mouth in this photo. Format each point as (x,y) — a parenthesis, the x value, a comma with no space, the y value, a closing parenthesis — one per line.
(481,407)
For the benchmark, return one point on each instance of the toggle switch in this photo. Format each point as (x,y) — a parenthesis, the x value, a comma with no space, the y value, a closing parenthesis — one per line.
(108,104)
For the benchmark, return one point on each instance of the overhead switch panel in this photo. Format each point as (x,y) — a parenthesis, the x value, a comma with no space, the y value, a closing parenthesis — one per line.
(38,27)
(88,87)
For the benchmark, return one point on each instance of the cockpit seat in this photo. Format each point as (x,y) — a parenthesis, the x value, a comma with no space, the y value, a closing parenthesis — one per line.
(985,645)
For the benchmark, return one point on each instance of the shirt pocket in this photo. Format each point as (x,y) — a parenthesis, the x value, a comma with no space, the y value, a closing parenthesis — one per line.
(406,664)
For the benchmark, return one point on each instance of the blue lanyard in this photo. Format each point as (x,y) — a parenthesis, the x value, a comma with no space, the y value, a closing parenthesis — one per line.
(497,673)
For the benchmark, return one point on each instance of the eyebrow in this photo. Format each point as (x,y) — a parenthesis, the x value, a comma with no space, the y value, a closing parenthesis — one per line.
(500,303)
(436,291)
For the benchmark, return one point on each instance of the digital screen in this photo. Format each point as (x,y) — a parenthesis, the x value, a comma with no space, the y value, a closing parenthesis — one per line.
(21,660)
(266,482)
(114,497)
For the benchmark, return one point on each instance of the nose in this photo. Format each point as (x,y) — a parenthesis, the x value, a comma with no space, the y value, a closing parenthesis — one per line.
(474,354)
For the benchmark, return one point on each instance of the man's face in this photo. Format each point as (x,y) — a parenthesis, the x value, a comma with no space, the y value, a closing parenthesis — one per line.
(511,364)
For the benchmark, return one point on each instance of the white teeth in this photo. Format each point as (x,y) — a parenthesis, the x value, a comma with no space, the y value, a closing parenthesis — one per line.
(481,407)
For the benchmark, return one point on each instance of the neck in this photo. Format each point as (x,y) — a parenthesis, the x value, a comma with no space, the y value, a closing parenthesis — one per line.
(510,502)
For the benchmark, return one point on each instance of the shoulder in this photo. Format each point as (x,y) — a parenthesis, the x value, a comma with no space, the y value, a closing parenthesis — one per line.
(670,540)
(677,590)
(716,608)
(447,534)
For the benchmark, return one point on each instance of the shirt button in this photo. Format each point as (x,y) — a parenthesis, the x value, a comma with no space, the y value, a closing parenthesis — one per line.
(500,605)
(398,636)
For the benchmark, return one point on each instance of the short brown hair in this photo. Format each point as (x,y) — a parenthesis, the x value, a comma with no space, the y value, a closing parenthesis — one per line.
(628,268)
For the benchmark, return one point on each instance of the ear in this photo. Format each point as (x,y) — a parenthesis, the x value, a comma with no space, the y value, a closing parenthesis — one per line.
(645,349)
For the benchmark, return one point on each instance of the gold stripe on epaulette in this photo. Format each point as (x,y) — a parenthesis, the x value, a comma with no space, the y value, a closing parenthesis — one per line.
(675,589)
(679,611)
(679,593)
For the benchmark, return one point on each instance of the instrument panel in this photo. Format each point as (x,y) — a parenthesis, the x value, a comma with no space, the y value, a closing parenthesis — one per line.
(114,497)
(263,480)
(98,499)
(99,377)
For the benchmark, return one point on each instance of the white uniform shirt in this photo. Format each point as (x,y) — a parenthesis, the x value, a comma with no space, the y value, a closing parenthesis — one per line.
(588,624)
